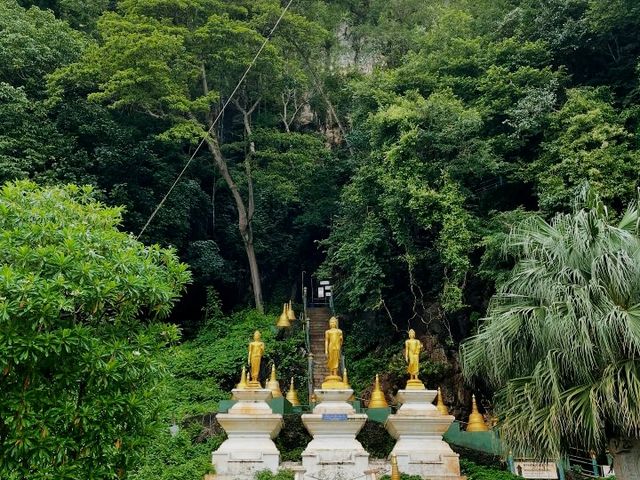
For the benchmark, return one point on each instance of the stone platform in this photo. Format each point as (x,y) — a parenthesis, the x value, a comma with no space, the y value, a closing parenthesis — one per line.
(418,427)
(250,425)
(334,453)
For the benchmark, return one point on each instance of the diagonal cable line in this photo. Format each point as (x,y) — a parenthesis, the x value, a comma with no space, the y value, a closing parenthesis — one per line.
(215,121)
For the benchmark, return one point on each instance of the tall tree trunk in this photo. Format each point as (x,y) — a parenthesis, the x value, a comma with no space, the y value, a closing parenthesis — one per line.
(255,275)
(244,220)
(247,235)
(626,458)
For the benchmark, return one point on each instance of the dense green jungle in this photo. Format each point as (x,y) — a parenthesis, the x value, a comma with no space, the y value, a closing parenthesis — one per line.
(388,146)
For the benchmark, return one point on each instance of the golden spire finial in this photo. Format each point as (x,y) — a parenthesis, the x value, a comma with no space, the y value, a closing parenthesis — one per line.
(290,313)
(476,420)
(442,408)
(395,471)
(243,379)
(377,396)
(283,319)
(273,383)
(345,382)
(292,395)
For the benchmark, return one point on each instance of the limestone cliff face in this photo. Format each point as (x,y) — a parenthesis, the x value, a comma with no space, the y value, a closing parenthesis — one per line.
(354,53)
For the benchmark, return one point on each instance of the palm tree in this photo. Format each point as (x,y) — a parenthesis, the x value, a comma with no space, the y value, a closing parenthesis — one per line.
(561,340)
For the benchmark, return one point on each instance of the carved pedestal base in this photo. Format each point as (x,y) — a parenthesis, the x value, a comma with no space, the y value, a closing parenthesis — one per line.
(251,426)
(334,453)
(418,428)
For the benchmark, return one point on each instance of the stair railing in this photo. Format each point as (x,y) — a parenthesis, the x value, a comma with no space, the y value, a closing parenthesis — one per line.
(306,321)
(331,307)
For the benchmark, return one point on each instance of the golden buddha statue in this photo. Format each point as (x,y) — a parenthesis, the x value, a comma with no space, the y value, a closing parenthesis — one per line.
(476,420)
(412,349)
(332,348)
(256,351)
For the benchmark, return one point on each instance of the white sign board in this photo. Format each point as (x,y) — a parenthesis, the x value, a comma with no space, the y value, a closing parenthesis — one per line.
(528,469)
(607,471)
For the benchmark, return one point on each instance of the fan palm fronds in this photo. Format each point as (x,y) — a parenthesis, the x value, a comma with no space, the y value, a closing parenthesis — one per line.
(561,340)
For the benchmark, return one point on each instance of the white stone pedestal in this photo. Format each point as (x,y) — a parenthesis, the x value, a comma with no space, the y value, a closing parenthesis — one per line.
(334,453)
(250,425)
(418,428)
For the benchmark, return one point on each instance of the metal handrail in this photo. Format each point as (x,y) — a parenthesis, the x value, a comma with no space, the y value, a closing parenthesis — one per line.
(327,301)
(307,340)
(305,320)
(331,306)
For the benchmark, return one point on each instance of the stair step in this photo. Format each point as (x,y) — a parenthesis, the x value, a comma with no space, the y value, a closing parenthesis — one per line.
(318,324)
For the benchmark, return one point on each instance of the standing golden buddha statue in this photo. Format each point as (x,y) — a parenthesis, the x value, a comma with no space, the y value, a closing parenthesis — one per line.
(412,349)
(256,351)
(332,348)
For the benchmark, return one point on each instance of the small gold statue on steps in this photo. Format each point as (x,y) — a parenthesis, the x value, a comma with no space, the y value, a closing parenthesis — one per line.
(256,351)
(412,349)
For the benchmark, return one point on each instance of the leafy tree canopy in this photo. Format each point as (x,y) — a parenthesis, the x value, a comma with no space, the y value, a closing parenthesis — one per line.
(77,350)
(588,140)
(33,44)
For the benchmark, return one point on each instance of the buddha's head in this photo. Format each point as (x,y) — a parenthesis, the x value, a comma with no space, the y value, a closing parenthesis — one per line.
(333,322)
(412,334)
(256,335)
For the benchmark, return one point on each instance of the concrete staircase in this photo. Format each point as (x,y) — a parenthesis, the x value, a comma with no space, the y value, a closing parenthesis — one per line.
(318,323)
